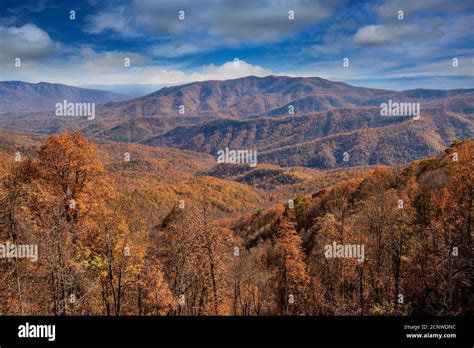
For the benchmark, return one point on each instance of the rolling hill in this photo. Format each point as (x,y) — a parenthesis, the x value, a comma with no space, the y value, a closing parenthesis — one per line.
(154,178)
(319,140)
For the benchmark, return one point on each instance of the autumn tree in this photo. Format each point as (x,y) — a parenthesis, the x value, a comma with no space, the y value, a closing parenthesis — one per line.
(193,249)
(291,276)
(14,216)
(252,281)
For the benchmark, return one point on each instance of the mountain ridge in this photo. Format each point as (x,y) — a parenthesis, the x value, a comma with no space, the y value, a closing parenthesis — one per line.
(19,96)
(329,118)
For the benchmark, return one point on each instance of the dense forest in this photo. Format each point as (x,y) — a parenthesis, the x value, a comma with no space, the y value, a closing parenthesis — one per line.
(99,253)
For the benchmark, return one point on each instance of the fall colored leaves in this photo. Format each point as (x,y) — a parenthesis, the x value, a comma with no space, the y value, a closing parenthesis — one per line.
(98,255)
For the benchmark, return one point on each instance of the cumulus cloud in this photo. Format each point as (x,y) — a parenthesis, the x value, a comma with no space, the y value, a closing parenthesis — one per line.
(86,66)
(229,70)
(27,42)
(152,74)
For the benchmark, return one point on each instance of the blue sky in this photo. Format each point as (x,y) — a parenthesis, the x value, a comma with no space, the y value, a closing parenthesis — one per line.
(383,50)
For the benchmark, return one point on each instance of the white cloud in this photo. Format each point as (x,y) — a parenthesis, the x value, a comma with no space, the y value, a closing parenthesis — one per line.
(86,66)
(228,71)
(153,74)
(27,42)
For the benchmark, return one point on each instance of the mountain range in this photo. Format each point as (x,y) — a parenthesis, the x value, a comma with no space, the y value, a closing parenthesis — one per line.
(290,121)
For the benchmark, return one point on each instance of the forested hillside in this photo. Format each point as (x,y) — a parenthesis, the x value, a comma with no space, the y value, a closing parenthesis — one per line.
(112,240)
